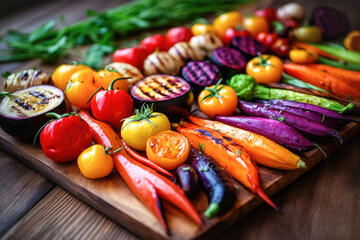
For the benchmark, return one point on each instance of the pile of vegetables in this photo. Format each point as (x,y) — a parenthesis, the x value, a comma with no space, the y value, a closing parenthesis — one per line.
(137,110)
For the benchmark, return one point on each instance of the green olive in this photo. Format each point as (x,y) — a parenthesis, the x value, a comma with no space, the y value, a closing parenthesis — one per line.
(308,34)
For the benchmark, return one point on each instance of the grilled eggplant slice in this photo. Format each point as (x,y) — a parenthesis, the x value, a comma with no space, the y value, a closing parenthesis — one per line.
(205,44)
(126,70)
(170,95)
(22,113)
(161,62)
(24,79)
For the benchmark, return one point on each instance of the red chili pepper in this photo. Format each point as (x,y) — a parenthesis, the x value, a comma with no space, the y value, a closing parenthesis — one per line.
(143,181)
(102,105)
(268,39)
(137,156)
(233,32)
(63,139)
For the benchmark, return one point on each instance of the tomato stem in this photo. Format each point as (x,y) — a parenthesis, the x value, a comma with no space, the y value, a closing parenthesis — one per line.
(263,61)
(214,91)
(145,113)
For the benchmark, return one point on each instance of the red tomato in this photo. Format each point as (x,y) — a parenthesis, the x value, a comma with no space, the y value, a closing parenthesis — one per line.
(268,39)
(154,42)
(232,32)
(64,139)
(134,56)
(281,47)
(178,34)
(268,13)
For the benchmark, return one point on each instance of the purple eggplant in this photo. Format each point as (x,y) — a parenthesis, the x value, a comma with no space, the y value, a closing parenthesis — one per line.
(216,183)
(187,178)
(230,61)
(305,113)
(248,46)
(332,23)
(272,129)
(304,125)
(336,117)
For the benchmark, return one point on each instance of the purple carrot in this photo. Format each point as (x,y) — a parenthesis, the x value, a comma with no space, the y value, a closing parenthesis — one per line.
(272,129)
(304,125)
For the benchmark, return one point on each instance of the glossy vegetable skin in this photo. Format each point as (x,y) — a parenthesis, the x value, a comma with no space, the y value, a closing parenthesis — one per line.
(264,151)
(322,79)
(302,124)
(144,182)
(61,75)
(303,56)
(216,183)
(256,25)
(155,42)
(272,129)
(265,69)
(134,56)
(102,105)
(340,64)
(63,139)
(233,32)
(178,34)
(247,89)
(233,158)
(225,21)
(187,178)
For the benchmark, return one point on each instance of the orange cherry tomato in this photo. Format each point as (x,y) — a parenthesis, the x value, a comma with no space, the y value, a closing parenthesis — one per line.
(303,56)
(225,21)
(95,162)
(168,149)
(218,100)
(201,28)
(256,25)
(265,69)
(103,79)
(62,74)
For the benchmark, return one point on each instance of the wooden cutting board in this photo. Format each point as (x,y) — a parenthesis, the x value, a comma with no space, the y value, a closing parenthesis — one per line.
(112,197)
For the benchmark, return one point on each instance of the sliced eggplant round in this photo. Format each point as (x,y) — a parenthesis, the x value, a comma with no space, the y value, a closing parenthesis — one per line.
(170,95)
(22,113)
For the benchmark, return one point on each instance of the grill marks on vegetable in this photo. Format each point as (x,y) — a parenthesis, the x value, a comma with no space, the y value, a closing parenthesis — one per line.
(157,88)
(201,73)
(217,140)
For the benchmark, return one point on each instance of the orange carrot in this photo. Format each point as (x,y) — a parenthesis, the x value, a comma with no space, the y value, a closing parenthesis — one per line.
(143,181)
(314,49)
(349,76)
(264,151)
(232,157)
(323,80)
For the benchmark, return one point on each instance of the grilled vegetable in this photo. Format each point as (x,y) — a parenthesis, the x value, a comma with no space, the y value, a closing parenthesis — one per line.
(161,62)
(272,129)
(248,45)
(205,44)
(201,74)
(216,183)
(24,79)
(305,125)
(332,23)
(187,178)
(230,61)
(338,118)
(183,52)
(22,113)
(261,149)
(126,71)
(170,95)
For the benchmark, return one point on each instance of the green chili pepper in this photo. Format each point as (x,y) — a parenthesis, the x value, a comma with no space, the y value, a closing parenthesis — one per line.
(342,53)
(247,89)
(345,65)
(298,83)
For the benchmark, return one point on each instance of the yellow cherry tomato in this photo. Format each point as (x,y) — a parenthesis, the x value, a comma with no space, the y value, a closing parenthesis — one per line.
(303,56)
(95,163)
(80,88)
(265,69)
(103,78)
(168,149)
(137,129)
(225,21)
(201,28)
(62,74)
(256,25)
(218,100)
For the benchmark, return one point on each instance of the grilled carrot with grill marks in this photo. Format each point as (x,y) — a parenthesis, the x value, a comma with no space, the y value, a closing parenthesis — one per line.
(232,157)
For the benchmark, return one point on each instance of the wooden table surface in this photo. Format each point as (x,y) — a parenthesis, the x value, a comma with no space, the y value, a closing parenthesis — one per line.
(322,204)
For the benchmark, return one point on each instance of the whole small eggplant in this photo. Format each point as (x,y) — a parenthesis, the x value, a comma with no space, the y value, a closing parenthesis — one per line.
(216,183)
(188,178)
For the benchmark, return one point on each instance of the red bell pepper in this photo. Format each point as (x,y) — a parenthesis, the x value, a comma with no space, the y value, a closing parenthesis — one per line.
(63,139)
(143,181)
(102,105)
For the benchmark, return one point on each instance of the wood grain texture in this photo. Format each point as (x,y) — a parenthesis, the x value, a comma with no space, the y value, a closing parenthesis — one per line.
(112,197)
(20,189)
